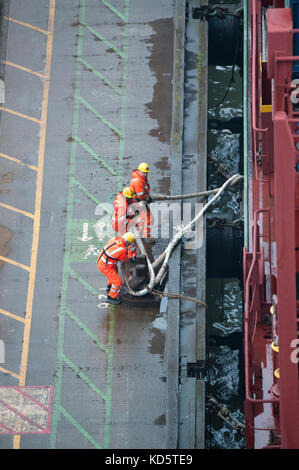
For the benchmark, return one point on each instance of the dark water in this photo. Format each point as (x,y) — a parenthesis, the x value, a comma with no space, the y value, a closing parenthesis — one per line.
(224,295)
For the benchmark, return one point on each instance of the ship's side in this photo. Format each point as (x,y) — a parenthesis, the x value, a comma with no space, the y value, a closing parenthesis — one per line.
(271,210)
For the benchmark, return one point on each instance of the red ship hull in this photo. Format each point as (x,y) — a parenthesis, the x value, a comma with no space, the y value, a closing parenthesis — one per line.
(271,256)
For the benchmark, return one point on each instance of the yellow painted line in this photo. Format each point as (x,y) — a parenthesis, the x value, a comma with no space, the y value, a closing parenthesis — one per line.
(25,69)
(38,199)
(15,263)
(15,209)
(2,369)
(12,315)
(28,25)
(16,113)
(16,160)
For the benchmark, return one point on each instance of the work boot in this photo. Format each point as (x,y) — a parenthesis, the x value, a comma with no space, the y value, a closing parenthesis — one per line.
(108,288)
(111,300)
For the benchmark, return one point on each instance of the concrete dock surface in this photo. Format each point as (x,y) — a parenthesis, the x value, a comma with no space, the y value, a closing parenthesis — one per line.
(89,94)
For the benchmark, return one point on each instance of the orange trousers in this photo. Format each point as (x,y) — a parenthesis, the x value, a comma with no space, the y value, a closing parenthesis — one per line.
(144,222)
(114,281)
(120,228)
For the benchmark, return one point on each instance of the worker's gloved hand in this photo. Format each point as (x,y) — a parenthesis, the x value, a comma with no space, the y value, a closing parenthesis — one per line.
(133,260)
(149,200)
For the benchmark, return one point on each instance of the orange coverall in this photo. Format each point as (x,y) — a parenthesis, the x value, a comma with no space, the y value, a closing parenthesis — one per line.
(141,187)
(122,215)
(115,250)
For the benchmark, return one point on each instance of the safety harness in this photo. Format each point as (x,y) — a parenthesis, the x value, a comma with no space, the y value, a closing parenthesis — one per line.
(103,252)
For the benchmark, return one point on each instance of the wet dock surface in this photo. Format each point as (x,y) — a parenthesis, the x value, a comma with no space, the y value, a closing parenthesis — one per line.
(88,95)
(93,88)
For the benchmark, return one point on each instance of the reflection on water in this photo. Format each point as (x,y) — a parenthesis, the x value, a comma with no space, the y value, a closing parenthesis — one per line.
(224,372)
(226,438)
(231,308)
(225,360)
(225,380)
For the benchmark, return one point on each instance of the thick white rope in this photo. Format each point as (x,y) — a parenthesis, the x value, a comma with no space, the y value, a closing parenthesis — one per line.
(154,280)
(187,227)
(151,283)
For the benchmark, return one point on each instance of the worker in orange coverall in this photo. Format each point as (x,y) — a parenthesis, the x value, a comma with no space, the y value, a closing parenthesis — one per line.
(140,186)
(120,248)
(123,211)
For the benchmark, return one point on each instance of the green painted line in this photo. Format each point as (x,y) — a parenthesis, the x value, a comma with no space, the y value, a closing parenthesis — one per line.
(94,155)
(115,10)
(85,191)
(124,98)
(109,378)
(84,377)
(83,282)
(245,126)
(58,409)
(100,75)
(99,115)
(80,428)
(82,325)
(105,41)
(86,249)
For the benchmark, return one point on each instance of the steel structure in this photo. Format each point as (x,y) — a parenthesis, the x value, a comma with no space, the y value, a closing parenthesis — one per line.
(271,258)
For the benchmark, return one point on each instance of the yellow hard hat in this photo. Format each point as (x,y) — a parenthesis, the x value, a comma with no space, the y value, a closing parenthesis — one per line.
(143,167)
(129,237)
(277,373)
(272,309)
(128,192)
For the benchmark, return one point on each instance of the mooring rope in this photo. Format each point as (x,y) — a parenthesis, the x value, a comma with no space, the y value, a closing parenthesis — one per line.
(156,279)
(178,296)
(162,197)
